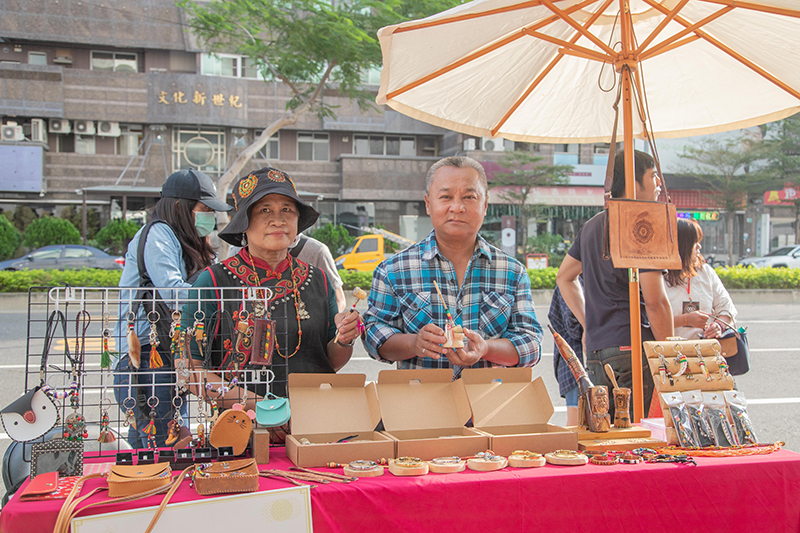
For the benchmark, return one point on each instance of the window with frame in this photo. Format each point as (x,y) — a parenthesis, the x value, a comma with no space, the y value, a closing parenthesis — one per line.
(129,139)
(272,150)
(384,145)
(116,61)
(201,149)
(313,147)
(85,144)
(229,66)
(37,58)
(371,76)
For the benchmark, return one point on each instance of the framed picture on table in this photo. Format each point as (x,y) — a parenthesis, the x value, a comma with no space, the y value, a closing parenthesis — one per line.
(58,455)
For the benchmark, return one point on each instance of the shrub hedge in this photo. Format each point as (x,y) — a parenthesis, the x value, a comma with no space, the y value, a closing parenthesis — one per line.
(732,278)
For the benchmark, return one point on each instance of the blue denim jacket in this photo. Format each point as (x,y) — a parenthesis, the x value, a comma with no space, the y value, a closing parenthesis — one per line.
(163,257)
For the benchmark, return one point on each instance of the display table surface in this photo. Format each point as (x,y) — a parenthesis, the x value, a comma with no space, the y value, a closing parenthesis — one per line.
(732,494)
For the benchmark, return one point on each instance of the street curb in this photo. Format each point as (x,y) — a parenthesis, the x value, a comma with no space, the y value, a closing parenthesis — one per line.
(541,297)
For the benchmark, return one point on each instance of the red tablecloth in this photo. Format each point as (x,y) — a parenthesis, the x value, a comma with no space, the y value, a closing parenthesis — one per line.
(741,494)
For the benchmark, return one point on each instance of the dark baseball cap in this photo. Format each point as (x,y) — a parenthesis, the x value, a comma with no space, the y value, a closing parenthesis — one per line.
(193,185)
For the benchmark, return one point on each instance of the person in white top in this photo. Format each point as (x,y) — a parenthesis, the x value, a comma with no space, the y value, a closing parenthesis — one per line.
(700,304)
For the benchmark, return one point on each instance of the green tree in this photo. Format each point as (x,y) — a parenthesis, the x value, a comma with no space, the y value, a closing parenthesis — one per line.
(310,45)
(48,230)
(76,217)
(116,235)
(784,157)
(10,238)
(23,216)
(336,238)
(524,174)
(728,169)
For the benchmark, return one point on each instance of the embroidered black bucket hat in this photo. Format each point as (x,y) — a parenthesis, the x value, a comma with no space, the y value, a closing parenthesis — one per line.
(252,188)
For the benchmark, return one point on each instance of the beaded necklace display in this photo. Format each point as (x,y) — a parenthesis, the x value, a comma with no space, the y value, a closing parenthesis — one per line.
(296,293)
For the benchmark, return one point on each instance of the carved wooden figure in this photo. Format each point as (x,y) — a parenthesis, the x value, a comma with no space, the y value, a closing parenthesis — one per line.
(599,419)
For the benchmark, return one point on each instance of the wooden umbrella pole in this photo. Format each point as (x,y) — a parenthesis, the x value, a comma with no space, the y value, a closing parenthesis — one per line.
(626,29)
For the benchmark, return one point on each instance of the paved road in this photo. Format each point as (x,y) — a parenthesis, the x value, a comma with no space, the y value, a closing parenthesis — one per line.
(770,387)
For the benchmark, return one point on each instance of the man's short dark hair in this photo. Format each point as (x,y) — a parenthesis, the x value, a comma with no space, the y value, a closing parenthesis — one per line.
(642,162)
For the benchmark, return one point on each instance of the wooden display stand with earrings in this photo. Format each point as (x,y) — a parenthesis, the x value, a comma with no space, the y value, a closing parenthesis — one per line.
(679,365)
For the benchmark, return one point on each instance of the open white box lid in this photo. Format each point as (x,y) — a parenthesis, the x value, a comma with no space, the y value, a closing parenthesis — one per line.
(422,399)
(506,397)
(332,403)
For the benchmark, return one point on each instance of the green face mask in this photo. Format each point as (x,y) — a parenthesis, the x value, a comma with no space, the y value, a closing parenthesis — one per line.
(205,222)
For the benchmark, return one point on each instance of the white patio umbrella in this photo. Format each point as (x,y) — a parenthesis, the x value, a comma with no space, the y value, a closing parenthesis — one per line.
(544,71)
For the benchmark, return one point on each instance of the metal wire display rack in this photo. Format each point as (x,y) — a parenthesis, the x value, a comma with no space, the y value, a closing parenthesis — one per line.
(96,320)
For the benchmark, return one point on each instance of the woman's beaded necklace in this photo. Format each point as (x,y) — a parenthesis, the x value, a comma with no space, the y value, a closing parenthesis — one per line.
(295,291)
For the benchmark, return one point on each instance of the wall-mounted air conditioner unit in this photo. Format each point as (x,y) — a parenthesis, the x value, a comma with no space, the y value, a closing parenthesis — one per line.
(106,128)
(492,145)
(11,131)
(469,144)
(59,125)
(38,133)
(84,127)
(600,150)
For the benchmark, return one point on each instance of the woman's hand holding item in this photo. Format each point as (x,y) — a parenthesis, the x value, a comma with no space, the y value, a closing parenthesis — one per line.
(349,325)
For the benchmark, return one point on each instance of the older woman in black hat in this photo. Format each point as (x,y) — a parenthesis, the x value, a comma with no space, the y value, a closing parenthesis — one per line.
(310,336)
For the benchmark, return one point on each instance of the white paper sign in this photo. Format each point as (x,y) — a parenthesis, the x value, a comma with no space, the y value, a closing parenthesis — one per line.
(286,510)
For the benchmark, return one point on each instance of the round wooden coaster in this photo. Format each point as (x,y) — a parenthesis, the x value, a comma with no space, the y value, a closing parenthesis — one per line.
(566,458)
(372,472)
(397,470)
(450,467)
(482,465)
(525,461)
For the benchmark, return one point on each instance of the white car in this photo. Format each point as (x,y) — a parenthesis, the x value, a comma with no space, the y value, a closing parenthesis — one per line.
(787,256)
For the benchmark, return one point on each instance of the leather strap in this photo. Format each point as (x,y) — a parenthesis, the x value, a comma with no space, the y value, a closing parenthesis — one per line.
(69,509)
(612,155)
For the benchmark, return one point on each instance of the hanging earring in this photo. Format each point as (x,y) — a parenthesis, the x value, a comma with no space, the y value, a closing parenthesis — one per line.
(244,240)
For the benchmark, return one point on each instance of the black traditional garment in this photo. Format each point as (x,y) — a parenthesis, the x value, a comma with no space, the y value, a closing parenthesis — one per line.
(315,306)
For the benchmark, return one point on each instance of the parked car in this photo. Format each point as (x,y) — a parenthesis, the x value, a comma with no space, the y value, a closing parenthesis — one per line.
(786,256)
(63,257)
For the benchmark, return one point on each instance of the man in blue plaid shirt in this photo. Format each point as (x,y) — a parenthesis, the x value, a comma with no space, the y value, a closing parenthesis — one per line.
(486,291)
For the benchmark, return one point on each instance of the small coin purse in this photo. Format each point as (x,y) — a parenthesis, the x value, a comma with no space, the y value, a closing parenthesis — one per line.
(272,412)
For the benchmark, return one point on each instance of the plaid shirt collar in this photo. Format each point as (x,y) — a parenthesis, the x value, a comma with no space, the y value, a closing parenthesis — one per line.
(430,249)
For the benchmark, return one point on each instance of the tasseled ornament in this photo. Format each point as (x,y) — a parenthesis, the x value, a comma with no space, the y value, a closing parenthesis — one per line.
(155,358)
(134,347)
(105,357)
(150,428)
(106,435)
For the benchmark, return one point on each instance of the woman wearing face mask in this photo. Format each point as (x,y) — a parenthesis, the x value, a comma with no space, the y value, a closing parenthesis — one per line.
(175,250)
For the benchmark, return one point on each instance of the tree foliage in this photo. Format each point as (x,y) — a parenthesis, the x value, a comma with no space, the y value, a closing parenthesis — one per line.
(23,216)
(76,217)
(50,230)
(730,171)
(10,238)
(335,237)
(310,45)
(784,157)
(525,174)
(116,235)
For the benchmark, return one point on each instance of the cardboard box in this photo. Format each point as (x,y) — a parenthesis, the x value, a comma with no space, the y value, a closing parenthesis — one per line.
(259,445)
(425,412)
(514,411)
(329,407)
